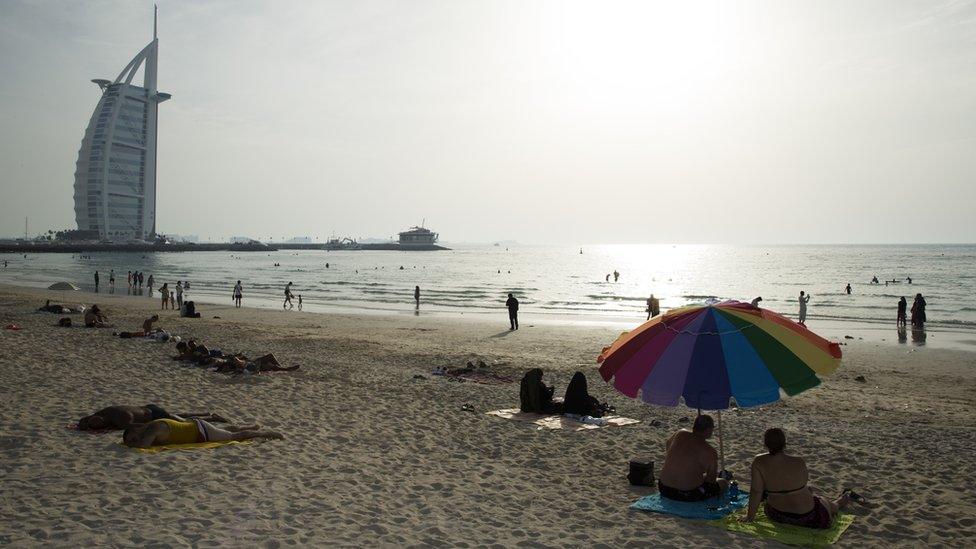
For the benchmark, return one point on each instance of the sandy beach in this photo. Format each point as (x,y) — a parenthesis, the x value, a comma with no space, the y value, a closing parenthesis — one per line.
(374,455)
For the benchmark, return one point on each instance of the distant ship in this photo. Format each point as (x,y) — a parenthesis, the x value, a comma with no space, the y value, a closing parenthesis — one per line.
(415,237)
(342,244)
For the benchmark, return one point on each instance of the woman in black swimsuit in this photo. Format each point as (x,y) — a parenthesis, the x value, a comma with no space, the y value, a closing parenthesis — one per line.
(781,481)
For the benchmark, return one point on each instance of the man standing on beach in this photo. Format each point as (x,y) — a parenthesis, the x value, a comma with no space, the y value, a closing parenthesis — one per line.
(512,305)
(848,288)
(804,299)
(111,279)
(96,281)
(416,295)
(179,294)
(653,307)
(150,286)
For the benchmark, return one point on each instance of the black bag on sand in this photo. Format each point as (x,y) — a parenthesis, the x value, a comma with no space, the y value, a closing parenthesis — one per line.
(65,322)
(641,473)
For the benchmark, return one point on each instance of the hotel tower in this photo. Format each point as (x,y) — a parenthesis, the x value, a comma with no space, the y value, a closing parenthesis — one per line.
(115,178)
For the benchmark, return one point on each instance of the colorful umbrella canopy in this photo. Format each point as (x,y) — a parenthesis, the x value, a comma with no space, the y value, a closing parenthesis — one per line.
(708,354)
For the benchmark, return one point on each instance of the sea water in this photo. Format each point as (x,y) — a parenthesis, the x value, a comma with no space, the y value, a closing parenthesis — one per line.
(557,282)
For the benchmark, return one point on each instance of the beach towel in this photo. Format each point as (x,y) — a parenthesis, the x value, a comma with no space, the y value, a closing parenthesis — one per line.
(762,527)
(191,446)
(543,421)
(709,509)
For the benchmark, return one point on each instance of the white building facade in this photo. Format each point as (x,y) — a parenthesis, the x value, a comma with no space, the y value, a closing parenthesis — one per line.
(115,177)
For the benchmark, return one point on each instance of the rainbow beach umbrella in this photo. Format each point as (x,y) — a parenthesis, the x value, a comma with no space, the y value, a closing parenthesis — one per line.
(707,355)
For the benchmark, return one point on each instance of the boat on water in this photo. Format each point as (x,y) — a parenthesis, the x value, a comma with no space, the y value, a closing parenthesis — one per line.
(342,244)
(417,237)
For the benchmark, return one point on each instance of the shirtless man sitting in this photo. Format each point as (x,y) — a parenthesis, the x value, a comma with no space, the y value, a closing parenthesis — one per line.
(691,465)
(95,319)
(120,417)
(161,432)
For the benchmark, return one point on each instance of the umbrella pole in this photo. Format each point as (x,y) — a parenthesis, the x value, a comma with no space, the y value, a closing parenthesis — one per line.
(721,449)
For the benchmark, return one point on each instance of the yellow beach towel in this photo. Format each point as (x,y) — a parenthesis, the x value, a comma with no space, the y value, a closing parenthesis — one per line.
(191,446)
(762,527)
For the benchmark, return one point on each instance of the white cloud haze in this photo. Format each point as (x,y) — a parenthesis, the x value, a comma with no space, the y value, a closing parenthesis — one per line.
(541,121)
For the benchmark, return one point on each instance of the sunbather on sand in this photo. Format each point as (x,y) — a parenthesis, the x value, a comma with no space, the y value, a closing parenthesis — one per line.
(190,351)
(240,363)
(690,467)
(169,431)
(782,481)
(120,417)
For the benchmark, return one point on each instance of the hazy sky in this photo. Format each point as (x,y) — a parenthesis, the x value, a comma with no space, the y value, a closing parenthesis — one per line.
(547,122)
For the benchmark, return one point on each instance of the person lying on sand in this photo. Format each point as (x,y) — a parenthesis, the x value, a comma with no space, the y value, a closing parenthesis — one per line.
(240,364)
(782,481)
(160,432)
(147,329)
(690,467)
(52,308)
(120,417)
(190,351)
(94,318)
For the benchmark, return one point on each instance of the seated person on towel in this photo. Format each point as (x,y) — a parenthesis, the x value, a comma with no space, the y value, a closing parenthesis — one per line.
(782,481)
(161,432)
(579,401)
(690,467)
(120,417)
(95,319)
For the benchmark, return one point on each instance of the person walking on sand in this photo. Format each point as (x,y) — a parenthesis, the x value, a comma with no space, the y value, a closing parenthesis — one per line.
(902,319)
(416,295)
(512,305)
(238,294)
(179,294)
(918,311)
(653,307)
(164,295)
(804,299)
(288,296)
(96,281)
(848,288)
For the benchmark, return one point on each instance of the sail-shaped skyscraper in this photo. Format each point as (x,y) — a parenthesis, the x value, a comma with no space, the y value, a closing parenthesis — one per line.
(115,178)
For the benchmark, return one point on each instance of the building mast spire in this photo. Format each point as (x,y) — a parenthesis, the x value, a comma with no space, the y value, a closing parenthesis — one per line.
(155,11)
